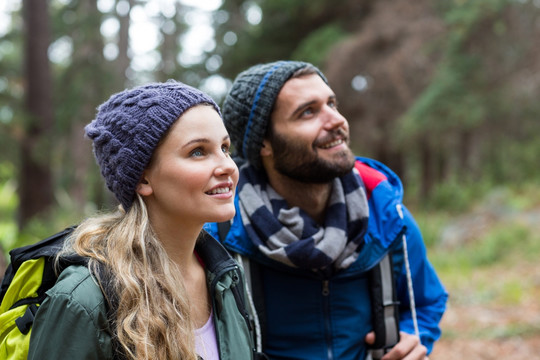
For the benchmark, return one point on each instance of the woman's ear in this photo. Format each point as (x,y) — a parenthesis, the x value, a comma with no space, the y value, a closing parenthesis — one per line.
(143,187)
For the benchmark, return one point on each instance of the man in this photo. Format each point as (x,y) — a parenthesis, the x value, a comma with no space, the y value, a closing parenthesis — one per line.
(313,219)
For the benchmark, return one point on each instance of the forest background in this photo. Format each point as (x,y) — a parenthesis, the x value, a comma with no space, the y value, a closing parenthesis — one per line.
(444,92)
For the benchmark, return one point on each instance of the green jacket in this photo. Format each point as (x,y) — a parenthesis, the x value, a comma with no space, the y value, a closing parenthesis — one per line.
(72,321)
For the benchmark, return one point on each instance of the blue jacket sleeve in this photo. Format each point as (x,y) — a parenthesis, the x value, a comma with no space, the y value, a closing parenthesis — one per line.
(429,294)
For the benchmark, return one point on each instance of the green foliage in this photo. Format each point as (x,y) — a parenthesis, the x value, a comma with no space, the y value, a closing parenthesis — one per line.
(315,47)
(431,224)
(38,229)
(11,90)
(454,98)
(450,103)
(65,214)
(474,117)
(301,29)
(501,242)
(524,197)
(456,196)
(8,206)
(504,243)
(510,236)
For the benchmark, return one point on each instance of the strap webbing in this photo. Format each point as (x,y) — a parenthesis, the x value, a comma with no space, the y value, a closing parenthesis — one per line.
(385,309)
(24,323)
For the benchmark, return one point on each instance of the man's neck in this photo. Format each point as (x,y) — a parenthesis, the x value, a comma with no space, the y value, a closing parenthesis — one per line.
(311,198)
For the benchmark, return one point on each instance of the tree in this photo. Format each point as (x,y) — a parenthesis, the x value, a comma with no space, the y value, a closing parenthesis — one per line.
(35,177)
(287,30)
(380,70)
(123,61)
(82,83)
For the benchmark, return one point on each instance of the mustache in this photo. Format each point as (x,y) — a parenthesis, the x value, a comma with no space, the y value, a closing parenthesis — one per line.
(333,135)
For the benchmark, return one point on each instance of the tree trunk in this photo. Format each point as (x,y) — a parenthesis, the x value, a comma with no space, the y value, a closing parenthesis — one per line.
(88,46)
(123,60)
(35,177)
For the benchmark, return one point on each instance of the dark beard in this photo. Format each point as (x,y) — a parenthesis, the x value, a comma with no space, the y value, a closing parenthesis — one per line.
(292,160)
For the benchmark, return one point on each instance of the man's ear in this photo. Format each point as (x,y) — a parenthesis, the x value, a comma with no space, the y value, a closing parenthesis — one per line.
(266,149)
(143,187)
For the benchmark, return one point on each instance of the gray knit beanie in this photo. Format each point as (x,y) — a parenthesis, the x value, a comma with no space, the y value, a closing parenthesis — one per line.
(249,104)
(129,126)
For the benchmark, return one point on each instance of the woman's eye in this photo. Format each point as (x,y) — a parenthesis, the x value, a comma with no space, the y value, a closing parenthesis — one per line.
(226,149)
(196,152)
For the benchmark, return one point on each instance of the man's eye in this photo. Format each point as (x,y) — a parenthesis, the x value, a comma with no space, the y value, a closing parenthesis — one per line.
(307,112)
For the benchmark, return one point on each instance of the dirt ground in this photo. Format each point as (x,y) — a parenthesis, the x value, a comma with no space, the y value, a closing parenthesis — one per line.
(463,343)
(487,319)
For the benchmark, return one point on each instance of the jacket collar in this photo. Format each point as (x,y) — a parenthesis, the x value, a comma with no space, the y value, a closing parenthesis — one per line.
(215,257)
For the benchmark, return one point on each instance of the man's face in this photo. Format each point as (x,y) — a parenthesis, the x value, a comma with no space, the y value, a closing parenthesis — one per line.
(309,137)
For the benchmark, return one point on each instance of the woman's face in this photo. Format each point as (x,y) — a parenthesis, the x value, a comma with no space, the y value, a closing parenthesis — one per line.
(192,178)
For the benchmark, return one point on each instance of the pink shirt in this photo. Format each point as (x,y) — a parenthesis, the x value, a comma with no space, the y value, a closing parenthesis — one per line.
(205,340)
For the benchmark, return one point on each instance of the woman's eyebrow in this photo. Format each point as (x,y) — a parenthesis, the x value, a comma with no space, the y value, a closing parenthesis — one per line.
(202,140)
(196,141)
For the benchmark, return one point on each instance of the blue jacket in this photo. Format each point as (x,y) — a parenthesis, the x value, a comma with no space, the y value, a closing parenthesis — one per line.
(314,318)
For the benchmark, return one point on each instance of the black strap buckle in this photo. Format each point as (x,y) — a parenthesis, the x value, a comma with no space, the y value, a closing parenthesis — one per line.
(24,323)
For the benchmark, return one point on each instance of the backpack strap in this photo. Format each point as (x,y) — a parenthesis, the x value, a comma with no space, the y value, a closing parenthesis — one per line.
(384,307)
(24,323)
(47,248)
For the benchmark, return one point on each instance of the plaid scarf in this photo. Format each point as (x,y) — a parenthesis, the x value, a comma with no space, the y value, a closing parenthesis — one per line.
(291,237)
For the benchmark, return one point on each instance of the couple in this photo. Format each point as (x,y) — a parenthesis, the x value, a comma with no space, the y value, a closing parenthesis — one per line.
(311,217)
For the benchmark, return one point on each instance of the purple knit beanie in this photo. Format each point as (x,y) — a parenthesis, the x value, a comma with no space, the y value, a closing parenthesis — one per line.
(129,126)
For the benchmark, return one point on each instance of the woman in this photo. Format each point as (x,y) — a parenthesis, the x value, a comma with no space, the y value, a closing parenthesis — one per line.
(156,285)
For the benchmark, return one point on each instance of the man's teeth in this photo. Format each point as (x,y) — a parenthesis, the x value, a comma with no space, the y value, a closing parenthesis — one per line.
(333,143)
(219,191)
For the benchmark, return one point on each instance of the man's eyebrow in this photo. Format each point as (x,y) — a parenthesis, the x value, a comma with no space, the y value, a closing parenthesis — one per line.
(308,103)
(302,106)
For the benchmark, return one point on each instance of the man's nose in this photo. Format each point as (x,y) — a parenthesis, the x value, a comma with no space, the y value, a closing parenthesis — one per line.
(332,118)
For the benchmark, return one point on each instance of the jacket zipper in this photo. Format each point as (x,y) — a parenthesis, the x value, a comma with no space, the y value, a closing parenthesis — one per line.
(326,311)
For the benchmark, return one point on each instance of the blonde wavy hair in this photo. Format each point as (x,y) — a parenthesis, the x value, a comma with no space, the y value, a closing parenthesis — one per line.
(153,317)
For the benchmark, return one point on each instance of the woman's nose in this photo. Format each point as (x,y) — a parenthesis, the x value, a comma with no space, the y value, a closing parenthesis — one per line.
(226,166)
